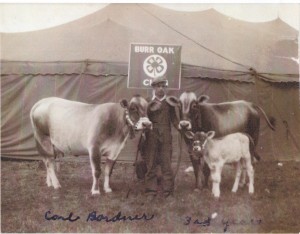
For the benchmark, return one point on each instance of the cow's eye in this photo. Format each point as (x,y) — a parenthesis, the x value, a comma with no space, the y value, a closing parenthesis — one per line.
(194,106)
(133,109)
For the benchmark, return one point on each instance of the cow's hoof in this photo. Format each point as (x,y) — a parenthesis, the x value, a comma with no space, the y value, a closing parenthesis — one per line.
(57,186)
(95,192)
(189,169)
(108,190)
(216,195)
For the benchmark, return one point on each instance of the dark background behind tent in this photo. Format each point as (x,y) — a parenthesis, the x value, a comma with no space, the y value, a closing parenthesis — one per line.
(87,60)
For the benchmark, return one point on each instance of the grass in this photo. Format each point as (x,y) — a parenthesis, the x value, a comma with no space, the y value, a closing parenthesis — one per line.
(275,206)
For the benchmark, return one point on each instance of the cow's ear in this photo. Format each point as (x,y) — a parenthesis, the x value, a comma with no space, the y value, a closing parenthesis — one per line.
(211,134)
(173,101)
(154,106)
(124,103)
(203,99)
(189,134)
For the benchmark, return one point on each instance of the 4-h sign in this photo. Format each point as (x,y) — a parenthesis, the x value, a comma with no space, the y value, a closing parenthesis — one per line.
(150,61)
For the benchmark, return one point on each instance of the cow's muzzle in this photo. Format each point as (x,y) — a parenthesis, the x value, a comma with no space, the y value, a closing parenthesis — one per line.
(185,125)
(143,123)
(197,148)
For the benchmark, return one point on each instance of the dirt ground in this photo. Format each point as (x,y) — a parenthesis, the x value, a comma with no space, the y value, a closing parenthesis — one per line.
(28,205)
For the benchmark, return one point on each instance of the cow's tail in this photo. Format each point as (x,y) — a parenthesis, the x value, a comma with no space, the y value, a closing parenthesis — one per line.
(270,121)
(37,135)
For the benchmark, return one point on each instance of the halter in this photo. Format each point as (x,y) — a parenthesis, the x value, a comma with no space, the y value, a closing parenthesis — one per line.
(130,124)
(204,143)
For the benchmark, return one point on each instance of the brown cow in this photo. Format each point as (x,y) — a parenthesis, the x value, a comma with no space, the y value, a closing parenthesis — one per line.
(197,115)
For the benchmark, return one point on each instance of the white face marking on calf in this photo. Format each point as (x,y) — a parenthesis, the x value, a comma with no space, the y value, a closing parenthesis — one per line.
(196,146)
(200,139)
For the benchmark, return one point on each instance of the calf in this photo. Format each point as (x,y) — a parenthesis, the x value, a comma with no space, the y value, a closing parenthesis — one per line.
(66,127)
(232,148)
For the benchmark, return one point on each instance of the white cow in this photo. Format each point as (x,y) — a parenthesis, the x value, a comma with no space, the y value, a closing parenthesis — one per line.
(66,127)
(232,148)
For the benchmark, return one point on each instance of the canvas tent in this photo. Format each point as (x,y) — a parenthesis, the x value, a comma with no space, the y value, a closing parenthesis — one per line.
(87,60)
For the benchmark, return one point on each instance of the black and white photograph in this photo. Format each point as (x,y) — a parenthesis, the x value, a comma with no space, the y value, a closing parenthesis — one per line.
(148,117)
